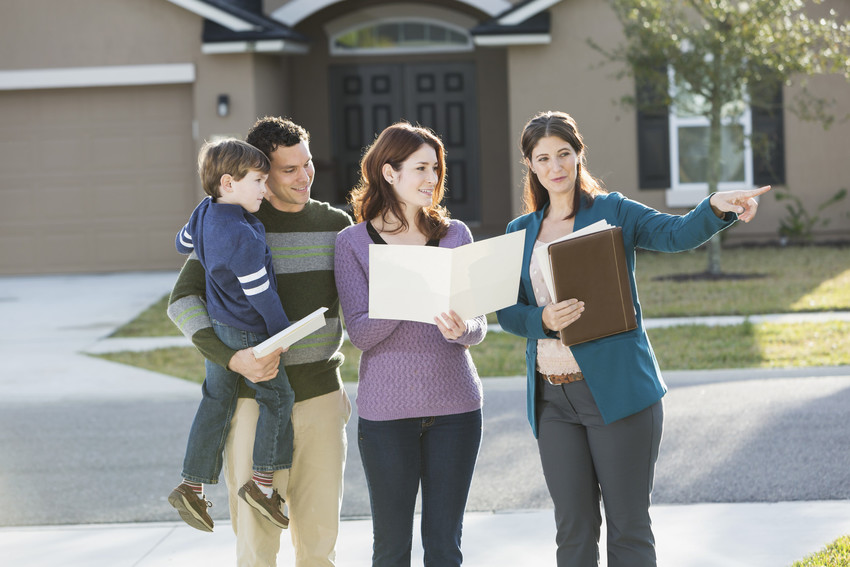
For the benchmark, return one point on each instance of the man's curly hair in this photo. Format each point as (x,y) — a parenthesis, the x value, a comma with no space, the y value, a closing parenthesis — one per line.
(270,132)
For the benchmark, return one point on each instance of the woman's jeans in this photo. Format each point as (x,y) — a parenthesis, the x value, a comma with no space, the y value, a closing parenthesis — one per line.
(438,452)
(584,459)
(273,442)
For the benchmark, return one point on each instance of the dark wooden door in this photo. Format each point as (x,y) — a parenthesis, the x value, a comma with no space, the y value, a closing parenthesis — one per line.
(367,98)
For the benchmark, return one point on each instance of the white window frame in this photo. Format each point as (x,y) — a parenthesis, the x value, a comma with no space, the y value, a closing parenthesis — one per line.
(336,51)
(690,194)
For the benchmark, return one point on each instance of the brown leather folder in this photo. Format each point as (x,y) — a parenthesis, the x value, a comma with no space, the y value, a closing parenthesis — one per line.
(592,268)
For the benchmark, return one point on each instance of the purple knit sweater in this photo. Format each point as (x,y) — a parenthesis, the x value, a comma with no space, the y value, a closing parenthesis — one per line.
(407,369)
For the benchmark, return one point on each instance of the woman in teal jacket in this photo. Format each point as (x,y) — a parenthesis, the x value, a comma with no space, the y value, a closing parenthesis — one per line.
(595,407)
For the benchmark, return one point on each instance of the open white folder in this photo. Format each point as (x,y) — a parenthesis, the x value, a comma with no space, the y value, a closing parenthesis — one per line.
(293,333)
(417,283)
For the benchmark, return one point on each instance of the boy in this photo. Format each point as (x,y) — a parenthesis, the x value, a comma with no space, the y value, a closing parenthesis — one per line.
(243,302)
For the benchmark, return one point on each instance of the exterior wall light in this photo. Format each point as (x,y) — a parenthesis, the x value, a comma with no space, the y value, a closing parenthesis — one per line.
(223,106)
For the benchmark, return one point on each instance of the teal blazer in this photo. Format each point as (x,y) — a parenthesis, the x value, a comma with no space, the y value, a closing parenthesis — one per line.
(620,370)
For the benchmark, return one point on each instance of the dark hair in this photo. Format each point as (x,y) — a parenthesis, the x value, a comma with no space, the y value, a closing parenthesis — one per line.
(228,156)
(270,132)
(561,125)
(374,196)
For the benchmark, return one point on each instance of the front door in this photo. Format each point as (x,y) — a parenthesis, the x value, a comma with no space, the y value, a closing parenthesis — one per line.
(367,98)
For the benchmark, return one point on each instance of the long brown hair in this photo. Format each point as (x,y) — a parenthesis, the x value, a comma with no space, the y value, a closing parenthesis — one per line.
(374,196)
(561,125)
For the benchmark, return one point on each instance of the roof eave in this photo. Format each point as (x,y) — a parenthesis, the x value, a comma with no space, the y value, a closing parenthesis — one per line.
(253,46)
(496,40)
(532,31)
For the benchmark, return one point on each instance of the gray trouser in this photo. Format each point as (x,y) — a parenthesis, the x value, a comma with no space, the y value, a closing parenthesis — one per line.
(584,459)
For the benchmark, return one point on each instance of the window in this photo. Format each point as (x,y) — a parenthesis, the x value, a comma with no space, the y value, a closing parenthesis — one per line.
(673,144)
(689,131)
(401,36)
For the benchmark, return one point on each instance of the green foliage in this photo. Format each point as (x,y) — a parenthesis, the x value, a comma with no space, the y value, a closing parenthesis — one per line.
(798,224)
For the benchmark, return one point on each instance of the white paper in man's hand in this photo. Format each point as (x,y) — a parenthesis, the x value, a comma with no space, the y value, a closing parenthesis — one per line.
(417,283)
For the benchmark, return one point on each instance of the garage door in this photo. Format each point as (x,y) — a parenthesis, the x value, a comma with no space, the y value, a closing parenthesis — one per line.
(94,180)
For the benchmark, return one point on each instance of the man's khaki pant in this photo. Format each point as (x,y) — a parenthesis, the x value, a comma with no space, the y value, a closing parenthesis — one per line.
(312,487)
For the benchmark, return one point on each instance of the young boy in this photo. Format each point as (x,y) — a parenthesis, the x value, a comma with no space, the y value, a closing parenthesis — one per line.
(243,303)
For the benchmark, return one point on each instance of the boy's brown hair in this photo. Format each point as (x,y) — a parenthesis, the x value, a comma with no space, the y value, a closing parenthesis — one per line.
(228,156)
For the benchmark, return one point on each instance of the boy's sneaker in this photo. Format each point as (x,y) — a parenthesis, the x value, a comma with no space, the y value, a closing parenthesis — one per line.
(271,507)
(192,508)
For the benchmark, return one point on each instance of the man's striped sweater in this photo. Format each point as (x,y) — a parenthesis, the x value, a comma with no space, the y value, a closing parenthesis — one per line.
(302,246)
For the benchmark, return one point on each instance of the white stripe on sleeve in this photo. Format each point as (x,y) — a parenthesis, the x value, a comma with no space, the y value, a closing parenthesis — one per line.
(186,239)
(261,273)
(255,290)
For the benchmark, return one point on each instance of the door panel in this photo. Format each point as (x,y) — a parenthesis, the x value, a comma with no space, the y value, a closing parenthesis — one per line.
(441,96)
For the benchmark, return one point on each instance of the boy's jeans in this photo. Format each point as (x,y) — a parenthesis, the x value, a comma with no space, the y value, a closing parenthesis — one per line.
(273,441)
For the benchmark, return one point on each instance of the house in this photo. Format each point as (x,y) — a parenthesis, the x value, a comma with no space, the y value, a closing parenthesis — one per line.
(104,105)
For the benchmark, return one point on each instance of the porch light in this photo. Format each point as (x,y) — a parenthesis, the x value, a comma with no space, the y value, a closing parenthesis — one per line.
(223,106)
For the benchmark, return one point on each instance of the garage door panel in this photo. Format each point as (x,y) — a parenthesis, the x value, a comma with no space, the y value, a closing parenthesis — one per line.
(64,155)
(95,179)
(114,152)
(20,155)
(169,151)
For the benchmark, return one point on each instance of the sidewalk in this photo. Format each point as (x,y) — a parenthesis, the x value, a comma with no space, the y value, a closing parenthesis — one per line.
(700,535)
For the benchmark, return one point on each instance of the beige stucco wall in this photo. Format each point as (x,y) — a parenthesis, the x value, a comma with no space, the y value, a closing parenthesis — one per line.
(564,76)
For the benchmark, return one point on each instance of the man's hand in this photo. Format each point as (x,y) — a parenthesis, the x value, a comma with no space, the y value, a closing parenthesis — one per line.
(255,369)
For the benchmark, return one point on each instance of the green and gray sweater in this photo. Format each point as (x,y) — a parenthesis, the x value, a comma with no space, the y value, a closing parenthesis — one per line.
(302,246)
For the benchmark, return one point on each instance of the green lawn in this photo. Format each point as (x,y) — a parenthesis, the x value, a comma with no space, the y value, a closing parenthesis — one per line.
(836,554)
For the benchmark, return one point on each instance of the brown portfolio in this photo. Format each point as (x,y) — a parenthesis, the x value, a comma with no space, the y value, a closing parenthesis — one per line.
(592,268)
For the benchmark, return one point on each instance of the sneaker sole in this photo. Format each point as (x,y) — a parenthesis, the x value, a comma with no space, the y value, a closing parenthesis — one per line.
(186,512)
(259,508)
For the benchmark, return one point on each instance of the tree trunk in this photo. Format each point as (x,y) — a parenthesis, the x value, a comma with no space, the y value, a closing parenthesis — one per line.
(713,170)
(714,266)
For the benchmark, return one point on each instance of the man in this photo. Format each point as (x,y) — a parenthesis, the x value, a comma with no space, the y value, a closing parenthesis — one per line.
(300,233)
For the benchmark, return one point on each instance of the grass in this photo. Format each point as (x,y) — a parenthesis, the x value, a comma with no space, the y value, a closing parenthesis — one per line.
(836,554)
(793,279)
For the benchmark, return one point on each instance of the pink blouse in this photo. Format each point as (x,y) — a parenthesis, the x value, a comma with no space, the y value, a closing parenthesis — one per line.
(552,356)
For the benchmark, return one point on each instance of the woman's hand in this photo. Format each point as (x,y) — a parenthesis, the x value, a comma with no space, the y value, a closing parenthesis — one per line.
(451,325)
(556,316)
(741,202)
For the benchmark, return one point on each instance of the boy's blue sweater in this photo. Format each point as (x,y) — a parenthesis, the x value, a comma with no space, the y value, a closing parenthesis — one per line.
(231,245)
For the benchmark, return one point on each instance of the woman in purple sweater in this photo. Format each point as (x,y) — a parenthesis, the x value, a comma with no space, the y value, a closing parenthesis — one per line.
(419,396)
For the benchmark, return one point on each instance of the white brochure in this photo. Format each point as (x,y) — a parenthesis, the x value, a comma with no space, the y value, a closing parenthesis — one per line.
(293,333)
(417,283)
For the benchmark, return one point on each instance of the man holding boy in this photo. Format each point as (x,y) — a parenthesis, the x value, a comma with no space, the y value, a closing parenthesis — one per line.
(300,233)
